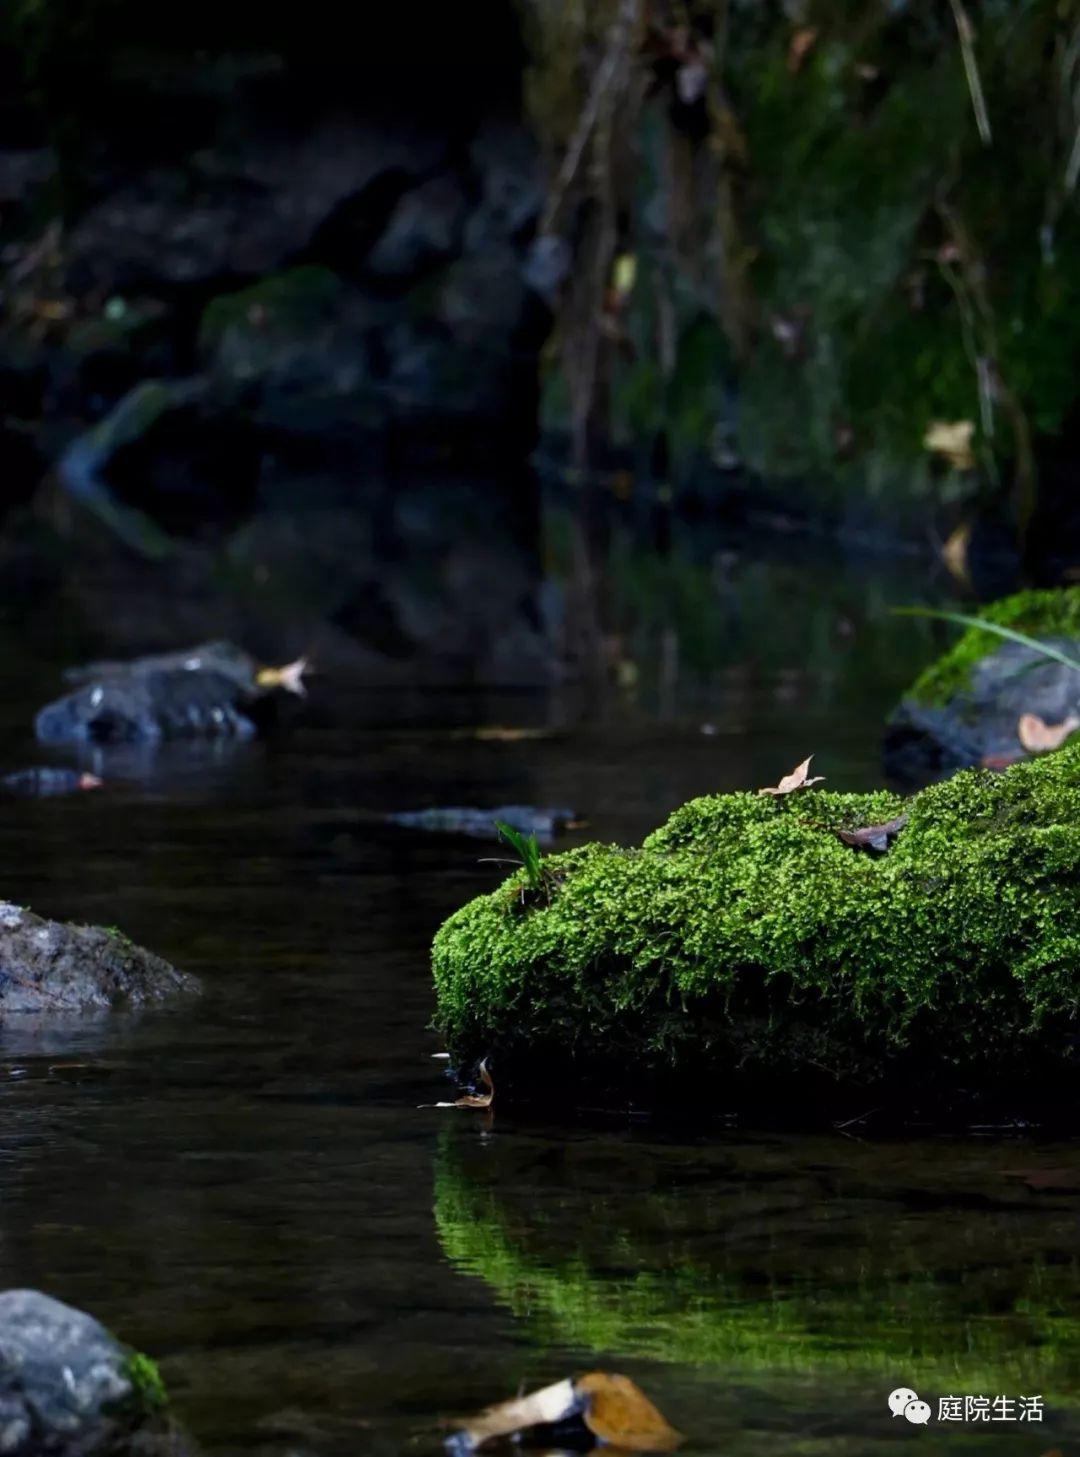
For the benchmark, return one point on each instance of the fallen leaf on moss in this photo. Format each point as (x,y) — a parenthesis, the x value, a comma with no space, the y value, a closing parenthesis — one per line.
(1040,737)
(611,1407)
(952,439)
(797,779)
(472,1100)
(873,837)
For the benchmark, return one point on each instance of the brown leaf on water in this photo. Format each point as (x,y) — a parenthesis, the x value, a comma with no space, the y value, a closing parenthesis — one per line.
(499,734)
(797,779)
(472,1100)
(1040,737)
(620,1414)
(612,1407)
(873,837)
(954,553)
(290,677)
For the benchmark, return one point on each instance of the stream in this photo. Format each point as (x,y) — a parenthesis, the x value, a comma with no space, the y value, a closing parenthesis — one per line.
(247,1188)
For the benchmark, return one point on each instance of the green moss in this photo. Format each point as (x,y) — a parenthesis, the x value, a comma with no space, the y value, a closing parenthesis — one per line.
(299,297)
(150,1394)
(745,936)
(1053,613)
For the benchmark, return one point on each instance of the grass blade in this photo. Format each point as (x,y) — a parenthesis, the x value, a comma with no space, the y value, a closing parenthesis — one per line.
(1011,634)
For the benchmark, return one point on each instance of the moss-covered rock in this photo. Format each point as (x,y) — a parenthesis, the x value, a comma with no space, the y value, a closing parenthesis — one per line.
(747,941)
(965,707)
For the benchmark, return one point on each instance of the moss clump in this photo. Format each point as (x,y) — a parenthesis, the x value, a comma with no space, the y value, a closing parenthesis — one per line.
(149,1393)
(745,937)
(1053,613)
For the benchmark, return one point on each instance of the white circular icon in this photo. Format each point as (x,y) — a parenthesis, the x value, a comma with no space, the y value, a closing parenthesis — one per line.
(900,1398)
(917,1412)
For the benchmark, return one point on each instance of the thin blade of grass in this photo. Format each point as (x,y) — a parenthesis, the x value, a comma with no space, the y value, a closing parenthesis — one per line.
(1011,634)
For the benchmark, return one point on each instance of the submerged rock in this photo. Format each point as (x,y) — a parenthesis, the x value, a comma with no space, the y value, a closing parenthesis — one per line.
(214,690)
(747,943)
(67,1386)
(43,782)
(479,824)
(965,708)
(49,966)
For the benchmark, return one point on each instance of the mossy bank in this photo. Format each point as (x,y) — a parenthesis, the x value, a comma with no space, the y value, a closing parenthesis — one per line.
(747,944)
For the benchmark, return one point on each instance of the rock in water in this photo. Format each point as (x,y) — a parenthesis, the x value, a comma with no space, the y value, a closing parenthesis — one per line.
(45,781)
(480,824)
(48,966)
(965,708)
(67,1387)
(745,949)
(210,691)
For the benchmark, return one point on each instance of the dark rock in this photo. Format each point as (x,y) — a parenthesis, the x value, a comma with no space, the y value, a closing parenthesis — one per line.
(48,966)
(424,229)
(480,824)
(67,1387)
(234,214)
(506,161)
(210,691)
(980,722)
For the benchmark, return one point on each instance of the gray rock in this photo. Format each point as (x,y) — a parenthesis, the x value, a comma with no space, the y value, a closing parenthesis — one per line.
(234,214)
(209,691)
(423,229)
(506,161)
(981,722)
(49,966)
(67,1387)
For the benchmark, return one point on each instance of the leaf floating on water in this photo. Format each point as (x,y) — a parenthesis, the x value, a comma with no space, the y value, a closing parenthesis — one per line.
(621,1415)
(471,1100)
(611,1407)
(289,677)
(795,780)
(1040,737)
(873,837)
(500,734)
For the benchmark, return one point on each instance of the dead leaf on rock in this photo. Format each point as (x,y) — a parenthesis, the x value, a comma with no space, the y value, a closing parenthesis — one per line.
(797,779)
(472,1100)
(873,837)
(952,439)
(611,1407)
(1040,737)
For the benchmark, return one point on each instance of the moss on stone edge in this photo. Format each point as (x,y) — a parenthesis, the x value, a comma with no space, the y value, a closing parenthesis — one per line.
(1053,613)
(746,936)
(149,1393)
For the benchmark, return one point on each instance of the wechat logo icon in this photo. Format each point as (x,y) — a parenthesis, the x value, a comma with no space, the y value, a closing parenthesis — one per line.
(903,1402)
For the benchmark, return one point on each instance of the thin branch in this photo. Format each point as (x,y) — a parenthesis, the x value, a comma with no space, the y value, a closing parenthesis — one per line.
(966,32)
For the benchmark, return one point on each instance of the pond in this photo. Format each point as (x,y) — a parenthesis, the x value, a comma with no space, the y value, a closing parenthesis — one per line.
(248,1190)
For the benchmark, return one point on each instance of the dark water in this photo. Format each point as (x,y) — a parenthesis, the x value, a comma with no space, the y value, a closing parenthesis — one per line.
(248,1190)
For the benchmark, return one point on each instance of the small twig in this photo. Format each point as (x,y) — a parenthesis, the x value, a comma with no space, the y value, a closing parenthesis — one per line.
(966,32)
(862,1117)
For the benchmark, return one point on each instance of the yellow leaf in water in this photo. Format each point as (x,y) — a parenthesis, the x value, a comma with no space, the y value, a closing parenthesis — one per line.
(1040,737)
(952,439)
(797,779)
(621,1415)
(290,677)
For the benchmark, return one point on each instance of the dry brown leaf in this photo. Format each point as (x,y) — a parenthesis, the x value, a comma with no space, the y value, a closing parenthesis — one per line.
(1040,737)
(952,439)
(802,43)
(290,677)
(873,837)
(621,1415)
(612,1407)
(954,553)
(795,780)
(472,1100)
